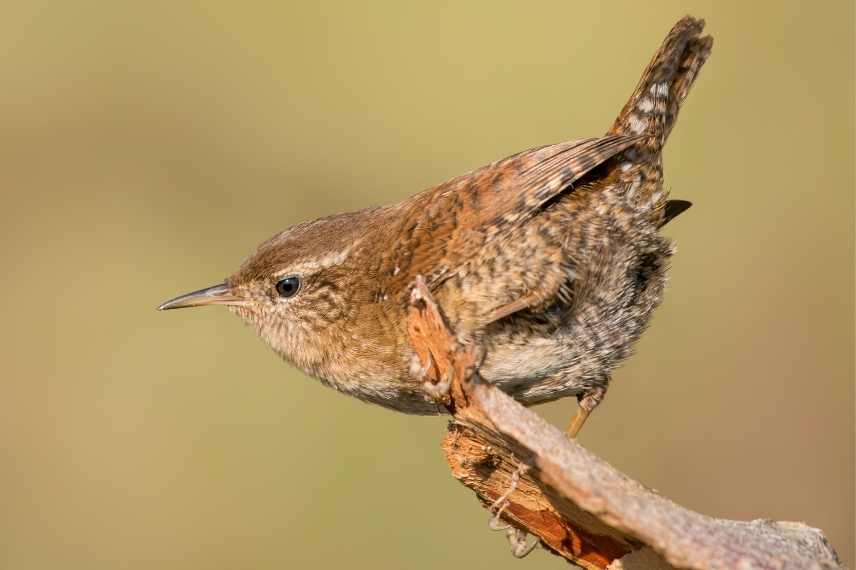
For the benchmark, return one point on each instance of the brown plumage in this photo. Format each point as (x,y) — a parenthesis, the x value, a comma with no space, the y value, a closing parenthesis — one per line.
(551,259)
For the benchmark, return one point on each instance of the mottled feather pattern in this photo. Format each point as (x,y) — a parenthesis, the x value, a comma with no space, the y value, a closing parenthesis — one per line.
(551,259)
(653,108)
(445,227)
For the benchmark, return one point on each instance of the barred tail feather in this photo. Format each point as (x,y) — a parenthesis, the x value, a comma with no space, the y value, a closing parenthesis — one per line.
(650,114)
(654,104)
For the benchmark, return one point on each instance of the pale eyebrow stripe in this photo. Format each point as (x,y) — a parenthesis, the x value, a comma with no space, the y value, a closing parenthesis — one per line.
(310,266)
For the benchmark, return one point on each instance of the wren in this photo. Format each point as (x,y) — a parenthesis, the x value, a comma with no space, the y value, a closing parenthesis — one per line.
(551,259)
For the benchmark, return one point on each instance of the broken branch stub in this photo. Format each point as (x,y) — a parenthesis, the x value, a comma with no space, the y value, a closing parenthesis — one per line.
(576,504)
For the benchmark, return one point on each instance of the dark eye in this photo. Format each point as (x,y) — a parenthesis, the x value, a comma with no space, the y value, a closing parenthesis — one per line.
(288,287)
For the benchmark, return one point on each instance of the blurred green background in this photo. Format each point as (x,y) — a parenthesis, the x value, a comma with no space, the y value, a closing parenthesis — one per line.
(147,148)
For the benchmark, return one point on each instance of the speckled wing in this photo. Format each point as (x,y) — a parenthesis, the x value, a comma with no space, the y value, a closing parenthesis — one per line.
(443,228)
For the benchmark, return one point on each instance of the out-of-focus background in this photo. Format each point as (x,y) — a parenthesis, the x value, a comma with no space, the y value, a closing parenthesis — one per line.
(148,147)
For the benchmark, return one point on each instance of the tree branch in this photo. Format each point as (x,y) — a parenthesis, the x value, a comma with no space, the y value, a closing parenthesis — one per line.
(576,504)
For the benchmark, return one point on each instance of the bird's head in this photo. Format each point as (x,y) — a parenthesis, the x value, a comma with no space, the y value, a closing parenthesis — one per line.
(302,290)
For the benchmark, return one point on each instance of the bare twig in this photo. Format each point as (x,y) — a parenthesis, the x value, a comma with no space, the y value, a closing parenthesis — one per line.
(576,504)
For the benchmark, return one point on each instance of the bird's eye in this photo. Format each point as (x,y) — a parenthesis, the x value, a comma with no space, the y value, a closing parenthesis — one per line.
(288,287)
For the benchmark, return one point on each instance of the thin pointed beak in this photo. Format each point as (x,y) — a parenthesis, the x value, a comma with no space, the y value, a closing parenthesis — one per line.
(217,295)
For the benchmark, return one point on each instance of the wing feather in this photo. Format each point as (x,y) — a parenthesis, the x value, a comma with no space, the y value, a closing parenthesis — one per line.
(442,228)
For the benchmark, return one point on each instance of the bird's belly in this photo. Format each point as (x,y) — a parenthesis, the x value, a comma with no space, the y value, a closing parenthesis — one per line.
(536,370)
(392,388)
(527,361)
(540,369)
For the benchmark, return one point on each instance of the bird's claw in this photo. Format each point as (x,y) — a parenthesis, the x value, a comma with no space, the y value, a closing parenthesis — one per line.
(439,389)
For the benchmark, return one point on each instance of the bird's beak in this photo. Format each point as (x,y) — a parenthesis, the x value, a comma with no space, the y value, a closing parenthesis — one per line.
(217,295)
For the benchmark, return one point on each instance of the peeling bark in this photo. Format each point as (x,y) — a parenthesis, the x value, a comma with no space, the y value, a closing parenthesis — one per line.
(577,505)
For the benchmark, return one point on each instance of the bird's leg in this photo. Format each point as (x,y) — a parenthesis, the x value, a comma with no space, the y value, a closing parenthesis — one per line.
(587,402)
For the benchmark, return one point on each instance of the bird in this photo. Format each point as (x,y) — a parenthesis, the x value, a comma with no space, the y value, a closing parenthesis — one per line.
(551,260)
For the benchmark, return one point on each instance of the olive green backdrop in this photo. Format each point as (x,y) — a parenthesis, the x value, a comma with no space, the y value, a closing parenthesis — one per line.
(146,148)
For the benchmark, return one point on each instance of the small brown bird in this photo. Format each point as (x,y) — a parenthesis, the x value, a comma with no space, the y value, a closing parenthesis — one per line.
(551,259)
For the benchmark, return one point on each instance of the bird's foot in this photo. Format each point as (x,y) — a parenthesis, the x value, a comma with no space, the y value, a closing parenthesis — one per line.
(439,390)
(436,389)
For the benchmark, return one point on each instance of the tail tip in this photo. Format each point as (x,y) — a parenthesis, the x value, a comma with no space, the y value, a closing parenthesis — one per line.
(653,107)
(673,209)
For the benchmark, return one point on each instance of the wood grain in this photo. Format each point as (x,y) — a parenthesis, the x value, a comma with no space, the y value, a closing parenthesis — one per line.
(576,504)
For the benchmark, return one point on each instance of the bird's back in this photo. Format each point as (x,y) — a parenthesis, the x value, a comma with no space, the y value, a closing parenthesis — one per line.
(552,258)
